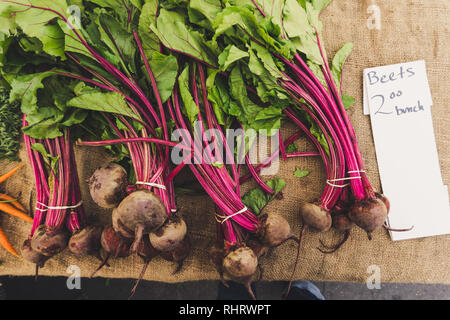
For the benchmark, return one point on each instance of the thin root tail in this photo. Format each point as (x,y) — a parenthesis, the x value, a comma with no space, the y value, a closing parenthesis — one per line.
(397,230)
(292,237)
(179,267)
(141,275)
(105,262)
(222,280)
(302,231)
(36,274)
(250,291)
(336,247)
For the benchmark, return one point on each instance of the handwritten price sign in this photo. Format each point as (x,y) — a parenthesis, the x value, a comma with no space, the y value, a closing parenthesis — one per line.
(399,102)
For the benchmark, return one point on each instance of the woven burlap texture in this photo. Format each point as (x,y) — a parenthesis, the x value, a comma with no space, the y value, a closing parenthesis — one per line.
(410,30)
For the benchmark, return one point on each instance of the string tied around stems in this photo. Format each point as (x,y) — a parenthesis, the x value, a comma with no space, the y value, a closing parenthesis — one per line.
(225,218)
(330,182)
(79,204)
(357,171)
(152,184)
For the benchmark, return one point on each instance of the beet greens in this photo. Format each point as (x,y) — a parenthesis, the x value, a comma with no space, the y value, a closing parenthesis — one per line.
(127,73)
(59,208)
(102,69)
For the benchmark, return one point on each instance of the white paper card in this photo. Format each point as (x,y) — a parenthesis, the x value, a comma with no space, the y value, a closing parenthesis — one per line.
(429,217)
(399,101)
(365,98)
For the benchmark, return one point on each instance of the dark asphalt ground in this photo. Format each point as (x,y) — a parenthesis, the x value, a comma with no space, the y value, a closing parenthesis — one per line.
(113,289)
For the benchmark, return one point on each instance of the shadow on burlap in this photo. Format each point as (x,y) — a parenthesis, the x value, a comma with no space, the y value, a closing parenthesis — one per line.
(411,30)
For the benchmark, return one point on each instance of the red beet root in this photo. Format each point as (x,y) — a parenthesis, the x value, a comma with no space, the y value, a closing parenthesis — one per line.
(141,213)
(86,241)
(275,230)
(341,222)
(108,185)
(315,217)
(48,242)
(179,254)
(385,200)
(114,245)
(31,255)
(169,235)
(369,214)
(240,265)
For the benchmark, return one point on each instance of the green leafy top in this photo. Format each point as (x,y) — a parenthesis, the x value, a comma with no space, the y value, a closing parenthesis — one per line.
(10,123)
(256,199)
(45,100)
(175,34)
(37,38)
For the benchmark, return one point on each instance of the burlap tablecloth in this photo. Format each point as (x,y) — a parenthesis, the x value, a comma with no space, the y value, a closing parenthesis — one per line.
(410,30)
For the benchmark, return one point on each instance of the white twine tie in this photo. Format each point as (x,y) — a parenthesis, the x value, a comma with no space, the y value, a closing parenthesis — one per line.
(357,171)
(330,182)
(58,208)
(151,184)
(224,219)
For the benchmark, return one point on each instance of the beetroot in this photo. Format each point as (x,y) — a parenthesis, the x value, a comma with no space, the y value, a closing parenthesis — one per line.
(119,226)
(140,212)
(49,242)
(316,217)
(114,245)
(169,235)
(108,185)
(145,250)
(179,254)
(86,241)
(369,214)
(275,230)
(341,222)
(31,255)
(45,243)
(385,200)
(240,265)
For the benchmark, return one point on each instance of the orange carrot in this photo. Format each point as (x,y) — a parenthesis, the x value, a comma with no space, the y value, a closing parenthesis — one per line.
(14,212)
(10,173)
(4,242)
(13,201)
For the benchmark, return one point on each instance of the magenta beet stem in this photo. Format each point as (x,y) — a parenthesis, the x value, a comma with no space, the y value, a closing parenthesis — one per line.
(255,175)
(128,140)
